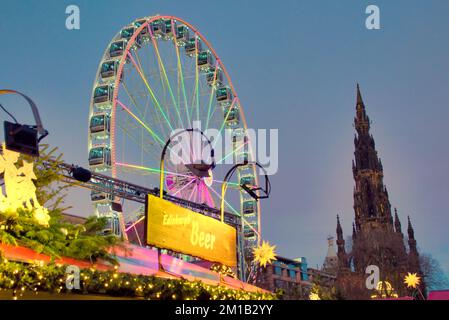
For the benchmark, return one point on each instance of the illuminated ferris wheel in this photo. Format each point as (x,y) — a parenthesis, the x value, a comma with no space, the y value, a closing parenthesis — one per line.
(158,75)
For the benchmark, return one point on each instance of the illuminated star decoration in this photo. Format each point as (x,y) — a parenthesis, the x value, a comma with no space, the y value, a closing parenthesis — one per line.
(264,254)
(20,189)
(412,280)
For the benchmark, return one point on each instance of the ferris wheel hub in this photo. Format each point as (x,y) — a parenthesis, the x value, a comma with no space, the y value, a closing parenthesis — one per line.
(200,170)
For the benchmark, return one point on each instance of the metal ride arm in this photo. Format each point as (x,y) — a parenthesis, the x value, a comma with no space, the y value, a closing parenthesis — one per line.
(133,192)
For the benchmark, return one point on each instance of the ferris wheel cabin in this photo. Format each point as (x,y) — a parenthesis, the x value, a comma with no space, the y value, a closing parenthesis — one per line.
(247,180)
(192,45)
(166,29)
(205,60)
(117,48)
(249,207)
(99,126)
(100,157)
(103,96)
(182,35)
(249,233)
(243,157)
(224,95)
(214,78)
(156,28)
(239,138)
(240,141)
(232,115)
(128,32)
(108,69)
(138,23)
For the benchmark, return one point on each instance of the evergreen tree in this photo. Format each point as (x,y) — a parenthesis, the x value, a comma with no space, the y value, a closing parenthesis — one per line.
(59,238)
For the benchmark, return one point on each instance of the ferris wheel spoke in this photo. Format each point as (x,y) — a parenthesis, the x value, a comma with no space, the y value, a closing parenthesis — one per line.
(232,152)
(147,108)
(224,121)
(230,184)
(152,170)
(153,134)
(234,211)
(189,82)
(195,94)
(209,200)
(150,91)
(193,192)
(212,115)
(212,90)
(196,80)
(198,195)
(163,85)
(219,161)
(245,222)
(132,137)
(139,109)
(144,150)
(180,73)
(148,76)
(136,52)
(159,121)
(172,153)
(158,75)
(200,192)
(131,98)
(162,66)
(148,98)
(184,187)
(204,193)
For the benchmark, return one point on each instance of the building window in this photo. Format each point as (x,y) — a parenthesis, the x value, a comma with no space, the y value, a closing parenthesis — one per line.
(278,271)
(292,274)
(280,284)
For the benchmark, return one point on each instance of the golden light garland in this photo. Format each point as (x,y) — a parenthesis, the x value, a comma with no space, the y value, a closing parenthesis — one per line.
(51,278)
(384,289)
(223,270)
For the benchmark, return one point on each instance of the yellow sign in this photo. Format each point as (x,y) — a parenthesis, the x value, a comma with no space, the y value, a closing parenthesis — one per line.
(179,229)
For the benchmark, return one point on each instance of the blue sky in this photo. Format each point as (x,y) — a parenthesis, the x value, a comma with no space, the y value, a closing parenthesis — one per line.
(295,65)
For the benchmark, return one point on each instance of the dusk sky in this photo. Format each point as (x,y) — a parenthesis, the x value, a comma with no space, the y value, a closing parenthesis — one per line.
(295,65)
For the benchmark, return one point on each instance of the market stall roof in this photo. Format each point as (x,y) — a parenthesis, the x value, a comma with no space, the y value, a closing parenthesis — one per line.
(136,260)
